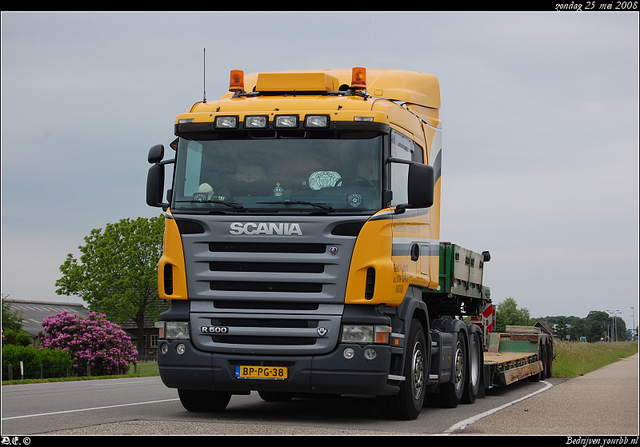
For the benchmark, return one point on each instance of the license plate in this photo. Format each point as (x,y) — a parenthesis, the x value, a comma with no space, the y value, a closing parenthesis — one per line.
(261,372)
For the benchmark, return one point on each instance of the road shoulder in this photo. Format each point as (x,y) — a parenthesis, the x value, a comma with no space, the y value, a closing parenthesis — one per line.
(601,403)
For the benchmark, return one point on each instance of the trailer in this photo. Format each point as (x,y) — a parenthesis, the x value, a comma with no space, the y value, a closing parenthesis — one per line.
(522,352)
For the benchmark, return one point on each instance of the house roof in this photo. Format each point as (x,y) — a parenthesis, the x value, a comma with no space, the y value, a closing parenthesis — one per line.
(33,312)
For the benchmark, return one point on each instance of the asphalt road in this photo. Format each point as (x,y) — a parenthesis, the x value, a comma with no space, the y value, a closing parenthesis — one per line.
(144,406)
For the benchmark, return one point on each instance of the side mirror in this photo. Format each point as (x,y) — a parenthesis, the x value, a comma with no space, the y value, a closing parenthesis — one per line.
(155,177)
(156,154)
(420,187)
(155,186)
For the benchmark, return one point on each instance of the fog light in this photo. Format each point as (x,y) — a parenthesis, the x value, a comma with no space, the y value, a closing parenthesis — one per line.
(348,353)
(164,348)
(180,349)
(370,353)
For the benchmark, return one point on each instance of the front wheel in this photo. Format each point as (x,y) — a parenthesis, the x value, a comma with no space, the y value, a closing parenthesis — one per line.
(206,401)
(407,404)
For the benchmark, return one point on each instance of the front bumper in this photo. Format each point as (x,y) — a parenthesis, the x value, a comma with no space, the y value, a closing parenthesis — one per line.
(330,373)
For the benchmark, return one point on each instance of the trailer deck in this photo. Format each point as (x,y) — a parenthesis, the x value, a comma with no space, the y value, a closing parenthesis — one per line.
(518,354)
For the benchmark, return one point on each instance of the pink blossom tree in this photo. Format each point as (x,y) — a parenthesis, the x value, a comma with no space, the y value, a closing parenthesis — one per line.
(93,341)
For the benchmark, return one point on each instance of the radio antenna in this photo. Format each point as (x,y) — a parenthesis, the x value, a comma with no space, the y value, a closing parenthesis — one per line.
(204,76)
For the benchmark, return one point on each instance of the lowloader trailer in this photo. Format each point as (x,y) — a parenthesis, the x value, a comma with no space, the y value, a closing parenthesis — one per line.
(302,251)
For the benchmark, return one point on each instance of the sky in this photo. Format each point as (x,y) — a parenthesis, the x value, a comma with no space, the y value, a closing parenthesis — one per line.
(539,112)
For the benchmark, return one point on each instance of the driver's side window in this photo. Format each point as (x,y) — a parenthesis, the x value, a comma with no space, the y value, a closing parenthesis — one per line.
(404,148)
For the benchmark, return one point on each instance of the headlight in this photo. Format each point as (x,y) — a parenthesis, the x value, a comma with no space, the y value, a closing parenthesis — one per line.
(256,121)
(317,121)
(176,330)
(286,121)
(357,334)
(226,122)
(353,333)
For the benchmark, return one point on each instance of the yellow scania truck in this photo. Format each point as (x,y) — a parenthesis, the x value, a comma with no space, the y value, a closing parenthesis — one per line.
(302,251)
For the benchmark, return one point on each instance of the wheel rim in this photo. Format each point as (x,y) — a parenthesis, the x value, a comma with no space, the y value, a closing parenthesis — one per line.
(459,365)
(417,370)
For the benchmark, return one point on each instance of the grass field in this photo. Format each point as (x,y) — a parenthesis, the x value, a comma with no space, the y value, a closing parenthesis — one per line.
(573,359)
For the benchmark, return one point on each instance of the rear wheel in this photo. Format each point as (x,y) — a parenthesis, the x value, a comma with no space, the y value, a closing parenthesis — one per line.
(407,404)
(450,394)
(472,386)
(204,400)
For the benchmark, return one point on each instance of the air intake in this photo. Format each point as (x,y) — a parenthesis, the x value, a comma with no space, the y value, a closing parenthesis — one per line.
(371,283)
(168,279)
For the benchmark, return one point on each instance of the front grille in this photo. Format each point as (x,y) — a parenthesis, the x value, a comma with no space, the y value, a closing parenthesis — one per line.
(276,330)
(246,286)
(265,267)
(265,247)
(276,294)
(264,305)
(263,322)
(262,340)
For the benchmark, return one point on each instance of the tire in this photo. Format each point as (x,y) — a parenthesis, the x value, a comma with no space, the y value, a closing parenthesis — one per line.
(476,366)
(407,404)
(206,401)
(545,362)
(542,357)
(450,393)
(274,396)
(549,360)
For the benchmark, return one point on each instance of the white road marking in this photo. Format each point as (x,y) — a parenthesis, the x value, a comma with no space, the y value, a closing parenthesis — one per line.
(462,424)
(88,409)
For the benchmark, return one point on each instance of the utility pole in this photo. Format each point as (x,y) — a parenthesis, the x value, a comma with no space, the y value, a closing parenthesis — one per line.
(633,323)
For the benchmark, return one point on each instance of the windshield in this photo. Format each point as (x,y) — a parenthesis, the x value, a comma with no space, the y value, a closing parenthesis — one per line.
(275,175)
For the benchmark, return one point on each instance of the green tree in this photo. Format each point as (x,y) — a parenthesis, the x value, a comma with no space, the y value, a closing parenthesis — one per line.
(117,271)
(12,332)
(507,313)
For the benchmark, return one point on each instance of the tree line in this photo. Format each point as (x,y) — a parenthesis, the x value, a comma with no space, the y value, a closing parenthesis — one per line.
(596,326)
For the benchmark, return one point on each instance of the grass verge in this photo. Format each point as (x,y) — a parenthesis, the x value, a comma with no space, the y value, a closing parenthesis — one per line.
(573,359)
(142,369)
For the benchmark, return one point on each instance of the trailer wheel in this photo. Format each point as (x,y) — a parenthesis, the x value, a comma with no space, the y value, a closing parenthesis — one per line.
(549,360)
(476,365)
(407,404)
(206,401)
(542,354)
(450,393)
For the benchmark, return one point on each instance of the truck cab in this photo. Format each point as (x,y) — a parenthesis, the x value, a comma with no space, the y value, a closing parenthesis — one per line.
(301,234)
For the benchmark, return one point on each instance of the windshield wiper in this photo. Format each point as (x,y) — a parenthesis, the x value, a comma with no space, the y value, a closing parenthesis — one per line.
(235,206)
(322,206)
